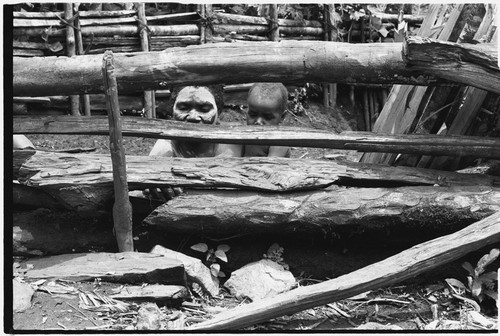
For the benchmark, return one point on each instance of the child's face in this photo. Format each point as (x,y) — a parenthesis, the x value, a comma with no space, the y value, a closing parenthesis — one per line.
(264,111)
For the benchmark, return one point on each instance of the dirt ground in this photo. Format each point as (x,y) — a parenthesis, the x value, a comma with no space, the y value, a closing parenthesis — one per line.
(408,306)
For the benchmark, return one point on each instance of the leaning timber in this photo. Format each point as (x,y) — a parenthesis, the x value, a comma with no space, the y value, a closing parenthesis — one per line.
(84,181)
(276,136)
(400,267)
(286,61)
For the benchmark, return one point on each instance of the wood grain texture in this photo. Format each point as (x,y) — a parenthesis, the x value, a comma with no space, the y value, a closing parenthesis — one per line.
(286,61)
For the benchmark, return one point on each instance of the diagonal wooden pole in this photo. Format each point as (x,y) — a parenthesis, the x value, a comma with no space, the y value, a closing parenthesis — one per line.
(402,266)
(122,209)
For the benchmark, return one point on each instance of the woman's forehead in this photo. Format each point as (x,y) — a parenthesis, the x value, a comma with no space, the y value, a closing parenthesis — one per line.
(197,94)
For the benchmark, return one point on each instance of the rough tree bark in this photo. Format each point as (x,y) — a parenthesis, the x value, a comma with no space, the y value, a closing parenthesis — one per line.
(226,213)
(287,61)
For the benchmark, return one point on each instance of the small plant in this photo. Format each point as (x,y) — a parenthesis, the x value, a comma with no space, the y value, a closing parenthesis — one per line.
(480,284)
(212,255)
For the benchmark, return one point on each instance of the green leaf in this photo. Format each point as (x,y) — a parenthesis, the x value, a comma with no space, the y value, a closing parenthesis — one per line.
(215,269)
(476,288)
(201,247)
(455,283)
(221,255)
(468,267)
(486,260)
(490,277)
(223,247)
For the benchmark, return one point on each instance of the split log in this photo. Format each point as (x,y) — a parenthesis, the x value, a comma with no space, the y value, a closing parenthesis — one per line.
(410,18)
(83,182)
(27,53)
(275,136)
(125,267)
(230,63)
(226,213)
(400,267)
(128,20)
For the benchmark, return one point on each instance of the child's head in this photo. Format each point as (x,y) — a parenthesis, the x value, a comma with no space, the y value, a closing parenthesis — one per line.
(267,104)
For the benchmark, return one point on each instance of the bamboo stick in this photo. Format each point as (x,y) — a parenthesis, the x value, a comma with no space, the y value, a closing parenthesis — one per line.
(119,21)
(47,15)
(71,51)
(122,209)
(85,97)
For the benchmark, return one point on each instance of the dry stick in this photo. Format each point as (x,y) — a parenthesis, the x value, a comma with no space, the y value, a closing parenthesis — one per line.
(71,51)
(122,209)
(149,108)
(402,266)
(79,45)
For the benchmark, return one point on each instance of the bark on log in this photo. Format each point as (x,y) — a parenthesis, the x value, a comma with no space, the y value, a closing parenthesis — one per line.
(227,213)
(258,20)
(402,266)
(263,29)
(285,61)
(83,182)
(123,30)
(276,136)
(81,14)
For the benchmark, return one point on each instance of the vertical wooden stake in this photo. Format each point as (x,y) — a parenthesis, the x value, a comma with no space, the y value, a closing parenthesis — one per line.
(79,49)
(122,209)
(208,29)
(367,110)
(201,9)
(149,107)
(273,24)
(71,51)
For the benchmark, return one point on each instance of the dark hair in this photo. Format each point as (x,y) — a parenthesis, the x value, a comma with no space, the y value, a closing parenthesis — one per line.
(268,90)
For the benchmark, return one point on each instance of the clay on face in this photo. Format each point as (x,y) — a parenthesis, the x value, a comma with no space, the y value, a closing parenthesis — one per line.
(195,104)
(264,111)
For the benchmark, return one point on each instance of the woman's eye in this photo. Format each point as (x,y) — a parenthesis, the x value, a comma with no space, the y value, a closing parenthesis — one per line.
(182,107)
(206,107)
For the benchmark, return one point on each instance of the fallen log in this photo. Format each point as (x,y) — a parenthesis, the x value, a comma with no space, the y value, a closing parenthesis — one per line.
(84,182)
(125,267)
(277,136)
(286,61)
(400,267)
(226,213)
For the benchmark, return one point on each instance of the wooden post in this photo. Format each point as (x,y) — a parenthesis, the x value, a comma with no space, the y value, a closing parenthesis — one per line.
(85,98)
(208,27)
(333,20)
(274,34)
(202,11)
(122,209)
(366,106)
(326,100)
(149,108)
(71,51)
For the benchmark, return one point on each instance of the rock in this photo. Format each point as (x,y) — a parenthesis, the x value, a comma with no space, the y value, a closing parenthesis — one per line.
(259,280)
(194,268)
(22,294)
(378,326)
(148,317)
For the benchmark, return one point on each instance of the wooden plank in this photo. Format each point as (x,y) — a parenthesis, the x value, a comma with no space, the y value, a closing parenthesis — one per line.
(249,62)
(400,267)
(122,209)
(125,267)
(254,135)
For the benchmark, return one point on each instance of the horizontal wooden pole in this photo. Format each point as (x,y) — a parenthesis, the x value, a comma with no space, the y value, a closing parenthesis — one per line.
(402,266)
(231,63)
(235,18)
(277,136)
(225,213)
